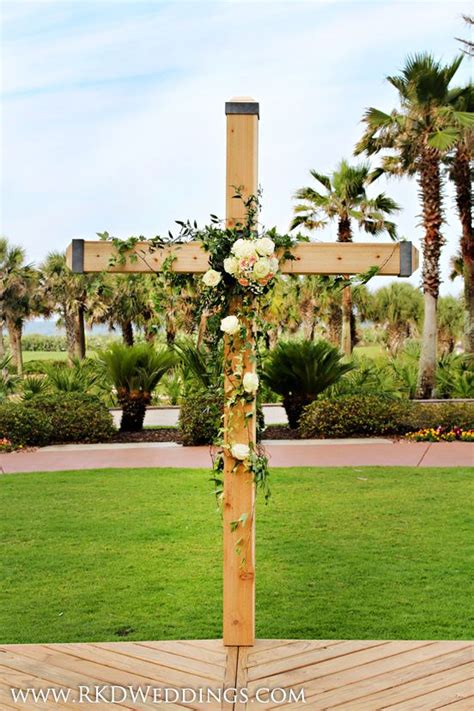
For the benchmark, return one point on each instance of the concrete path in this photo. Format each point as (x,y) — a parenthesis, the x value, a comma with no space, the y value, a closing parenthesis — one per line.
(303,453)
(168,416)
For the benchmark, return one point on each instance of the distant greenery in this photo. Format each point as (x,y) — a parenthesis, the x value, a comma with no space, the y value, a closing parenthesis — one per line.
(366,553)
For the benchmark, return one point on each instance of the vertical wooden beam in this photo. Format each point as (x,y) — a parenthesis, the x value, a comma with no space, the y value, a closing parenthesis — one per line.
(239,420)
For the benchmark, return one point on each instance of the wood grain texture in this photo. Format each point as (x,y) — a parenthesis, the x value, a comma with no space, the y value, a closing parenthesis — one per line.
(310,258)
(334,674)
(239,418)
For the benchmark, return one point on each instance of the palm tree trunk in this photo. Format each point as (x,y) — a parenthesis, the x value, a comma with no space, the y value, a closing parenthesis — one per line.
(345,235)
(461,175)
(14,333)
(70,334)
(80,333)
(127,333)
(2,343)
(430,186)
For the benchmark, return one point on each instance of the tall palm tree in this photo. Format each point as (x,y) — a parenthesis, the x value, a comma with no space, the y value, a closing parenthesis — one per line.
(66,293)
(417,135)
(345,200)
(461,173)
(19,296)
(398,309)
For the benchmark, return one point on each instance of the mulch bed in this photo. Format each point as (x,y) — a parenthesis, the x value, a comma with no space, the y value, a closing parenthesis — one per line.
(171,434)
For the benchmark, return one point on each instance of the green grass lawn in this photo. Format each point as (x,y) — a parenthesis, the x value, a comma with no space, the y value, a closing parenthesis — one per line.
(43,355)
(341,553)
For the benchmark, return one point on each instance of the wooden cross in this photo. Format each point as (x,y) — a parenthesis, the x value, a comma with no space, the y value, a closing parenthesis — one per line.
(396,259)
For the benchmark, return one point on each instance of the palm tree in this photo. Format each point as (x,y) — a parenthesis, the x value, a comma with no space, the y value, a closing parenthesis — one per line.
(460,172)
(300,371)
(417,135)
(19,296)
(67,293)
(134,372)
(345,200)
(398,309)
(450,322)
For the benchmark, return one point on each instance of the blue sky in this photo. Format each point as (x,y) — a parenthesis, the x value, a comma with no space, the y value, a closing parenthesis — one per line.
(113,112)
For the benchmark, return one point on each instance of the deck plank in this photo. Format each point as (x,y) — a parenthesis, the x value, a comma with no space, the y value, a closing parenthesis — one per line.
(335,674)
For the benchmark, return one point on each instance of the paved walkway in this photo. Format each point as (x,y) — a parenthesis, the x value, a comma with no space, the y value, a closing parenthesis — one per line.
(304,453)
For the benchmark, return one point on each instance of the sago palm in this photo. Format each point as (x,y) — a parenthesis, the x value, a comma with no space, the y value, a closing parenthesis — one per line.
(300,371)
(345,200)
(416,136)
(135,371)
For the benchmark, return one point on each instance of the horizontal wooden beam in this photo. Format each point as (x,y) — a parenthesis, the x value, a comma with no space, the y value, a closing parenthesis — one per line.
(393,259)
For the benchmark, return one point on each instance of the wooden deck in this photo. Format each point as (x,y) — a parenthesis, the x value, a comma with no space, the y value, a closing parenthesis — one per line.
(355,675)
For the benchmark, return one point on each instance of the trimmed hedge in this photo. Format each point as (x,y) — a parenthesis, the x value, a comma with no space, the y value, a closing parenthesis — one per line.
(23,426)
(56,419)
(200,418)
(368,415)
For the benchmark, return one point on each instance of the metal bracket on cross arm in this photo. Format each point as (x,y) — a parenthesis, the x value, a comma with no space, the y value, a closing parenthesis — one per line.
(77,254)
(406,259)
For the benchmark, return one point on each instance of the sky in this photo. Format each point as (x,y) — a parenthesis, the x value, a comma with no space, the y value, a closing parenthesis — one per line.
(113,112)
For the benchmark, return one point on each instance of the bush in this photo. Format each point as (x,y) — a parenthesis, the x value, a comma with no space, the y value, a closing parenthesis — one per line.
(74,417)
(39,342)
(200,417)
(24,427)
(368,415)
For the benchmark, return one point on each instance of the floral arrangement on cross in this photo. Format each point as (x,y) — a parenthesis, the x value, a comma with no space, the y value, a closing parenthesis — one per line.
(244,262)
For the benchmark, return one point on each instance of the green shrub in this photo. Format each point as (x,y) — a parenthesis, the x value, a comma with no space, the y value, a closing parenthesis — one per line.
(40,342)
(74,417)
(368,415)
(444,414)
(24,427)
(200,417)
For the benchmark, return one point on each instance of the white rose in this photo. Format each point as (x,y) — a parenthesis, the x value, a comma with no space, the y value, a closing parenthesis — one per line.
(243,248)
(265,246)
(250,382)
(261,268)
(230,325)
(212,278)
(231,265)
(240,451)
(274,265)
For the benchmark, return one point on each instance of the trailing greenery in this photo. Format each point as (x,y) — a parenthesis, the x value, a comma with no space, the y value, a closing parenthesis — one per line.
(300,371)
(368,415)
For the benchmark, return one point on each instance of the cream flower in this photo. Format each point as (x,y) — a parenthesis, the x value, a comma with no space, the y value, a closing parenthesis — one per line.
(243,248)
(250,382)
(240,451)
(274,265)
(211,277)
(261,268)
(265,246)
(230,325)
(231,265)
